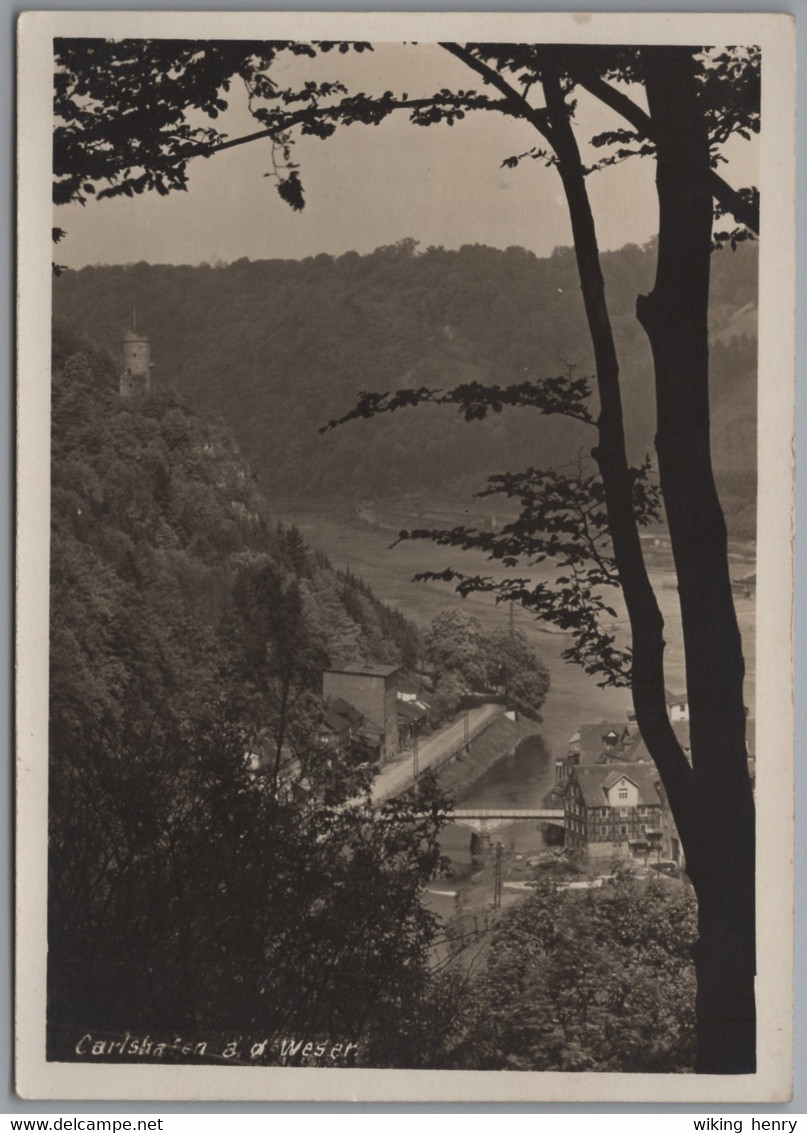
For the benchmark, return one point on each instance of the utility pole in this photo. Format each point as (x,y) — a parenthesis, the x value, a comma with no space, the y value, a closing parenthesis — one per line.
(497,877)
(415,766)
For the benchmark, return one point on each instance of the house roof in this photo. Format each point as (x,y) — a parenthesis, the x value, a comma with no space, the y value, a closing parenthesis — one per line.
(672,698)
(371,734)
(411,710)
(365,669)
(681,729)
(591,738)
(595,779)
(335,721)
(340,705)
(636,751)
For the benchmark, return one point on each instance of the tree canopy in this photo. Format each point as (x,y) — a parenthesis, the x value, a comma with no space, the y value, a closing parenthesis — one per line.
(121,132)
(464,658)
(600,981)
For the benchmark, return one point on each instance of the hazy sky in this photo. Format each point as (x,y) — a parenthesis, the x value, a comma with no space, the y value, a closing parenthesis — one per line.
(372,185)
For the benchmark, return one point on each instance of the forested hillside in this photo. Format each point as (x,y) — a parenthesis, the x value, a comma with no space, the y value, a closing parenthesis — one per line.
(152,503)
(278,348)
(188,634)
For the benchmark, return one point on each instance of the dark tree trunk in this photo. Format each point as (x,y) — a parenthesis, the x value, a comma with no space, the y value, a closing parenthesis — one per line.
(720,843)
(647,624)
(710,801)
(712,805)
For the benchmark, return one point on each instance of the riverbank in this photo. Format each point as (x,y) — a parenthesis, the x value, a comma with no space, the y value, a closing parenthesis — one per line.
(460,775)
(575,697)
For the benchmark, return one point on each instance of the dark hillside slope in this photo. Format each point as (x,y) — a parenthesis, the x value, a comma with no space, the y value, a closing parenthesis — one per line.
(213,870)
(277,348)
(158,533)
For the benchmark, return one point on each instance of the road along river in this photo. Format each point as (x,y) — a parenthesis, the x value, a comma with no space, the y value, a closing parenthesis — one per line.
(522,779)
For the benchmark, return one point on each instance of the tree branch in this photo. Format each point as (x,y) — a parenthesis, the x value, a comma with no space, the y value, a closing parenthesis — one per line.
(563,395)
(521,107)
(348,108)
(730,199)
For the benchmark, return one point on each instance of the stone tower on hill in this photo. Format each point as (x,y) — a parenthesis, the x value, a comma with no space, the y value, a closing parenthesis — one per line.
(135,377)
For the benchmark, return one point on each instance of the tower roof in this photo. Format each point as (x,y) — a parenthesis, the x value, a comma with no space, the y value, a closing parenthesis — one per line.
(134,336)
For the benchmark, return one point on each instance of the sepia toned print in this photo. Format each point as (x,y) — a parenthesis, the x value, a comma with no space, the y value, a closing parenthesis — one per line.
(417,678)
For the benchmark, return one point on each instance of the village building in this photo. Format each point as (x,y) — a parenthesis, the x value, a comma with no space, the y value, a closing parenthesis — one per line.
(413,711)
(595,743)
(614,800)
(412,716)
(614,811)
(677,707)
(261,760)
(636,751)
(335,730)
(365,695)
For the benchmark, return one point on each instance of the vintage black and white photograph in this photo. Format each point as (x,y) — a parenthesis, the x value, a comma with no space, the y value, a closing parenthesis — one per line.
(407,410)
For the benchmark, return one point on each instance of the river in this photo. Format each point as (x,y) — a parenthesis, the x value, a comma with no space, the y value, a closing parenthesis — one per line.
(350,539)
(521,779)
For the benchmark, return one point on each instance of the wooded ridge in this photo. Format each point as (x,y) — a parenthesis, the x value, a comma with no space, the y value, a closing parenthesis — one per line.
(279,347)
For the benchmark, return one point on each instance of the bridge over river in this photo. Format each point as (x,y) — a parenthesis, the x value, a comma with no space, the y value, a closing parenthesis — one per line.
(488,821)
(483,822)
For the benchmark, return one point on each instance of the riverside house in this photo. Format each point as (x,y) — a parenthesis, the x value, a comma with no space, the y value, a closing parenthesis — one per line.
(619,811)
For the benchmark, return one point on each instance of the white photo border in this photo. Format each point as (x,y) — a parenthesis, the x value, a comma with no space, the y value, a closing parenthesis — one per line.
(37,1078)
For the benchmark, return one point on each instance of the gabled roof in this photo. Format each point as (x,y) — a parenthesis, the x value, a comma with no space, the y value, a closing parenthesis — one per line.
(672,698)
(340,705)
(622,753)
(636,751)
(591,738)
(594,780)
(335,721)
